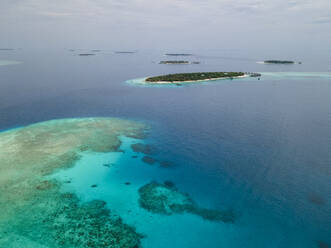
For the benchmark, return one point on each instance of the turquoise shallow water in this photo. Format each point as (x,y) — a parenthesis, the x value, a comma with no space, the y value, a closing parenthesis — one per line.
(259,147)
(104,176)
(9,62)
(298,75)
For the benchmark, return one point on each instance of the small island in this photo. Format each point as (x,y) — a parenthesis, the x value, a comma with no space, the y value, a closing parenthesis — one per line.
(86,54)
(195,77)
(278,62)
(178,54)
(171,62)
(178,62)
(125,52)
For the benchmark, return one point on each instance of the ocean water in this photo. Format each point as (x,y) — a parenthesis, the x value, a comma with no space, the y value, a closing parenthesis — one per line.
(259,147)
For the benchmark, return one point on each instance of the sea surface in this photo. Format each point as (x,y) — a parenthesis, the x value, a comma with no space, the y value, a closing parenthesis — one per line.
(259,147)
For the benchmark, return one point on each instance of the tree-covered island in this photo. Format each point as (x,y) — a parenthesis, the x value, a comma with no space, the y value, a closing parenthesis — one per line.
(174,62)
(279,62)
(86,54)
(195,77)
(125,52)
(180,62)
(178,54)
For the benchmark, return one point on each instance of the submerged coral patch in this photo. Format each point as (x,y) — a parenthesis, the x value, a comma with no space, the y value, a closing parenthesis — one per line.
(148,160)
(142,148)
(322,244)
(167,199)
(60,220)
(316,199)
(166,164)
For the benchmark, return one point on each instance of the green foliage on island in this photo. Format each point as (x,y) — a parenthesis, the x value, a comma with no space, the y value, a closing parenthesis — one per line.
(278,62)
(182,77)
(178,54)
(174,62)
(125,52)
(86,54)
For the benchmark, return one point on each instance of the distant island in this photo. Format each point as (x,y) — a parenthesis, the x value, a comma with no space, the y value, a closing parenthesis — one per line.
(178,54)
(171,62)
(278,62)
(174,62)
(197,77)
(7,49)
(86,54)
(129,52)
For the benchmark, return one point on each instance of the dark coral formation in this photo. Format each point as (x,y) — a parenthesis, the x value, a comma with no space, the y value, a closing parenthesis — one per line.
(317,199)
(166,199)
(142,148)
(148,160)
(163,199)
(215,215)
(166,164)
(322,244)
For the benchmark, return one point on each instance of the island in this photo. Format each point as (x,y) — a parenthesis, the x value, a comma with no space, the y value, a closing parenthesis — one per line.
(278,62)
(125,52)
(178,54)
(167,62)
(86,54)
(195,77)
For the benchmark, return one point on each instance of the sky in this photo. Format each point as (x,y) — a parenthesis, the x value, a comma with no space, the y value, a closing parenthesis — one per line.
(140,24)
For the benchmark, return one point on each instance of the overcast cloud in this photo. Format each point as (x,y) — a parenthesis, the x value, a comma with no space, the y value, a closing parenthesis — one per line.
(163,23)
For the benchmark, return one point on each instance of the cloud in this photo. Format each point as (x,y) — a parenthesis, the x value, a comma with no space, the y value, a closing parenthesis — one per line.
(220,19)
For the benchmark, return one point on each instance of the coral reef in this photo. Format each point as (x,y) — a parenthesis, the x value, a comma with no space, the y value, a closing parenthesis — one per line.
(166,199)
(59,220)
(166,164)
(316,199)
(322,244)
(34,212)
(142,148)
(163,199)
(148,160)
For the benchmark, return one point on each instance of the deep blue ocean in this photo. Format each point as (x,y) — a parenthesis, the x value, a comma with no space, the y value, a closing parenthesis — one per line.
(259,147)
